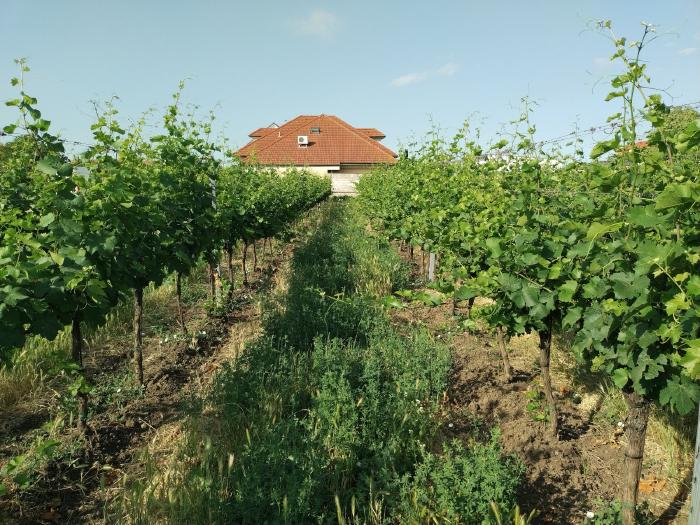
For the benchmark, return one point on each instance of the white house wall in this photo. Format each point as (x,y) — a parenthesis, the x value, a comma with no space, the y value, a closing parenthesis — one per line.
(343,178)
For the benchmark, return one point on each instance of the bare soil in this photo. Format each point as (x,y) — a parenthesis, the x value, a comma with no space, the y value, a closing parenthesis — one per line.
(566,475)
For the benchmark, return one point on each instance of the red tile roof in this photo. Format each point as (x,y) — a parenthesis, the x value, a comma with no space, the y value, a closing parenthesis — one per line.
(372,133)
(261,132)
(640,144)
(337,143)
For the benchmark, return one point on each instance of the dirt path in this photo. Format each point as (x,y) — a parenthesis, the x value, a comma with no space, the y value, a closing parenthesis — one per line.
(563,476)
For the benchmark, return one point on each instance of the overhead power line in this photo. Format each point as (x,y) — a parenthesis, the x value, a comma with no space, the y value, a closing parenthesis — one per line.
(607,127)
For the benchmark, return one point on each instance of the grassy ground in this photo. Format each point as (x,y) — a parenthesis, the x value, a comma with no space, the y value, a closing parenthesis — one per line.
(580,472)
(305,400)
(331,416)
(51,473)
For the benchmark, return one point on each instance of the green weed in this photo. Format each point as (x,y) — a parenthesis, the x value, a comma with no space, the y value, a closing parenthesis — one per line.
(329,416)
(459,485)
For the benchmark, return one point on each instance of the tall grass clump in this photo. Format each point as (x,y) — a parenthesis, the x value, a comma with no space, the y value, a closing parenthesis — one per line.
(25,372)
(331,416)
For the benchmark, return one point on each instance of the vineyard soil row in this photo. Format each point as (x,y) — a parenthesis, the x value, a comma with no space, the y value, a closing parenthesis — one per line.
(565,478)
(77,483)
(140,444)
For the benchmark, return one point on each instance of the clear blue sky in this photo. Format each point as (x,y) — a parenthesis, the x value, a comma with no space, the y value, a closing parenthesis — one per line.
(393,64)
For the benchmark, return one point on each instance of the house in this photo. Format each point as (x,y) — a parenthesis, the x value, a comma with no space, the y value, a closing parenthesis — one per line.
(323,144)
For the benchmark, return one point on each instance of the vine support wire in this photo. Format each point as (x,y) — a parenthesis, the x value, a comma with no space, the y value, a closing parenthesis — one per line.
(607,128)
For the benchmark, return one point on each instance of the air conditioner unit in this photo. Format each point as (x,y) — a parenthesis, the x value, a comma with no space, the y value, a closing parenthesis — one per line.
(303,140)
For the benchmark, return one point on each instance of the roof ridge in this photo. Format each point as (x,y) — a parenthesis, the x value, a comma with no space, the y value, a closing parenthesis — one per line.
(263,131)
(366,147)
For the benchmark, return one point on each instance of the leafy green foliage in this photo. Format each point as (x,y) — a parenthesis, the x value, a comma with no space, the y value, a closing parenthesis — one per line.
(255,202)
(53,262)
(329,412)
(188,174)
(608,249)
(460,485)
(76,235)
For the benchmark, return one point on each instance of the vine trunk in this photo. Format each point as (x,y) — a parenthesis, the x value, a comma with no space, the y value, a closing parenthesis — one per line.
(545,353)
(138,338)
(507,370)
(638,408)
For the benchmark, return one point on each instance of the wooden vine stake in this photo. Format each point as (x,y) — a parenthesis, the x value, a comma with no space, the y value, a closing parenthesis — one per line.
(212,282)
(431,267)
(138,333)
(178,294)
(243,260)
(77,356)
(76,340)
(218,285)
(229,264)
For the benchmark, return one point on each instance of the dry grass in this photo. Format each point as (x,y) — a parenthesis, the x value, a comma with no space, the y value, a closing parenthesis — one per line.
(165,459)
(26,376)
(32,373)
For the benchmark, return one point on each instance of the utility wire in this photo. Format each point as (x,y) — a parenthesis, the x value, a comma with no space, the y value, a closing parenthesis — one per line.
(607,127)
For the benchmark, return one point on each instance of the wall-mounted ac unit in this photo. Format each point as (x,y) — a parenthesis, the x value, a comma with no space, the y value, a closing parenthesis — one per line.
(303,140)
